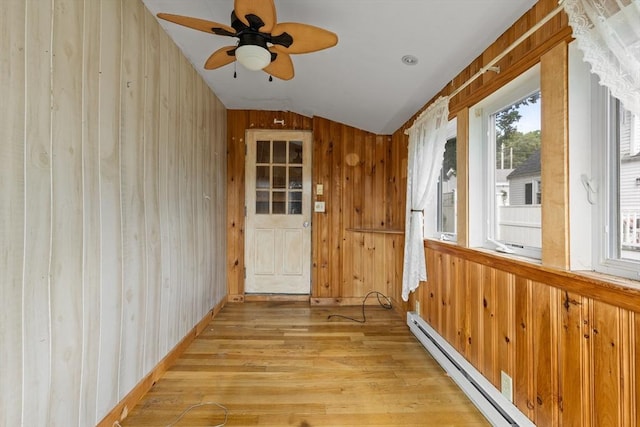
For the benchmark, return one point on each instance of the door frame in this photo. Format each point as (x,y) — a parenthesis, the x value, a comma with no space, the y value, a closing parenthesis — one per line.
(306,136)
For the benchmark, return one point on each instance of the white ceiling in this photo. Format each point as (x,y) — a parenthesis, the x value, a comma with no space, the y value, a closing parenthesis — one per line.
(362,81)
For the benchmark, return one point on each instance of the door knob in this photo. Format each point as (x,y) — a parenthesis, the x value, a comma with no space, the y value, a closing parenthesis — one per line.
(305,224)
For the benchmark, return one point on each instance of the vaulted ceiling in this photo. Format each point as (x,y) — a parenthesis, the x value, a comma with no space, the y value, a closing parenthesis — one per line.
(361,82)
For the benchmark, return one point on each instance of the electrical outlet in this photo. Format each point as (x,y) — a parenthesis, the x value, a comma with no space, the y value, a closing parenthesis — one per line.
(318,207)
(506,386)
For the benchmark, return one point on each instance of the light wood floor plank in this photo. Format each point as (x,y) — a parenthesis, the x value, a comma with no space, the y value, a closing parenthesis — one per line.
(287,364)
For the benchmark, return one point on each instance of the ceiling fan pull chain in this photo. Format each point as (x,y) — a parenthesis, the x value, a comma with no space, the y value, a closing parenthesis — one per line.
(270,78)
(235,74)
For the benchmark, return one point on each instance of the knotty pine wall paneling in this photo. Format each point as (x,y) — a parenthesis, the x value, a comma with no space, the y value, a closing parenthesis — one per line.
(568,341)
(462,176)
(524,344)
(113,185)
(327,235)
(509,322)
(235,205)
(354,261)
(573,363)
(573,356)
(396,182)
(554,116)
(361,184)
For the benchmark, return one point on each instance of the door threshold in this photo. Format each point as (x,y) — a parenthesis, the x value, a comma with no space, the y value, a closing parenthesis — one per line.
(277,297)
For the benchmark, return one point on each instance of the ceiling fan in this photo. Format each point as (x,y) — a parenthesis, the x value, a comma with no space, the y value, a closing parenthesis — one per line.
(262,43)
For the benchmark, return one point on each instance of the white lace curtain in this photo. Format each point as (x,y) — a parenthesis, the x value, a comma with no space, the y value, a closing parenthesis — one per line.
(608,34)
(427,138)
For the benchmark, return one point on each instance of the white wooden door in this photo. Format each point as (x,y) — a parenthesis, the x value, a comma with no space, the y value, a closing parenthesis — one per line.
(278,206)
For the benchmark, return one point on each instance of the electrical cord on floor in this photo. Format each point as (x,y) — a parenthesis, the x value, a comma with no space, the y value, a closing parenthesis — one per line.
(386,306)
(186,411)
(197,405)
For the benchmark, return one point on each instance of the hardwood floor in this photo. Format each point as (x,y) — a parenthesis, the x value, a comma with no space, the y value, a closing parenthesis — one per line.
(286,364)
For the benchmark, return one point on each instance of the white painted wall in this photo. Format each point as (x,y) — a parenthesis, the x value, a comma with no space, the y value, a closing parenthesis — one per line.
(112,205)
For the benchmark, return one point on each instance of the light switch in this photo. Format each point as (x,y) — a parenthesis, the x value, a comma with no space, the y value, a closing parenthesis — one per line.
(319,189)
(318,207)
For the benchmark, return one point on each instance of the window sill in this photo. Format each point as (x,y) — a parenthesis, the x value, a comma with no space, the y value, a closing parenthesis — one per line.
(375,230)
(610,289)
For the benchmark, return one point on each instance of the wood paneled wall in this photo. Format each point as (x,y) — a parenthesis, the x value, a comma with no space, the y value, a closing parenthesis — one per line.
(568,341)
(112,205)
(352,254)
(362,193)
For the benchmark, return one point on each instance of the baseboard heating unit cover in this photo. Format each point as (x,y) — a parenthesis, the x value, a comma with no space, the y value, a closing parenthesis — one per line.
(498,410)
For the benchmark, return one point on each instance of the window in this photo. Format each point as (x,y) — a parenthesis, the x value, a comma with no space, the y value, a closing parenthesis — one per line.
(618,209)
(533,192)
(505,170)
(445,208)
(604,156)
(279,177)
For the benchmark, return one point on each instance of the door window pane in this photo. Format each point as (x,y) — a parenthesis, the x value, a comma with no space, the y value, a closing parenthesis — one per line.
(279,177)
(262,177)
(295,178)
(279,202)
(280,152)
(274,177)
(263,152)
(295,202)
(262,202)
(295,152)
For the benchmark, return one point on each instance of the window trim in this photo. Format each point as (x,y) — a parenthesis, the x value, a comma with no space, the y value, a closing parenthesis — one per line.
(606,211)
(431,227)
(482,156)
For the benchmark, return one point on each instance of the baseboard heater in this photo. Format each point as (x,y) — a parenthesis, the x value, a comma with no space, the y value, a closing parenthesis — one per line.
(496,408)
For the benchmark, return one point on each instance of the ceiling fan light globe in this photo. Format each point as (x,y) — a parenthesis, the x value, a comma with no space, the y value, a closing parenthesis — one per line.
(253,57)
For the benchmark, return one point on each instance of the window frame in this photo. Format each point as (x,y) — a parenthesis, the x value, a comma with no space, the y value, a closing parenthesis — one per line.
(482,154)
(605,145)
(431,220)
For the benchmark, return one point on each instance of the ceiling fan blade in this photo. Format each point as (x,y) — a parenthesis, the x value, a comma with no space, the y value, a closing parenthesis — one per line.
(306,38)
(199,24)
(221,57)
(281,67)
(264,9)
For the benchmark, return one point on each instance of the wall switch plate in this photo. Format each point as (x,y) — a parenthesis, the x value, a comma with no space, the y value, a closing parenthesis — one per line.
(319,189)
(417,307)
(318,207)
(506,386)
